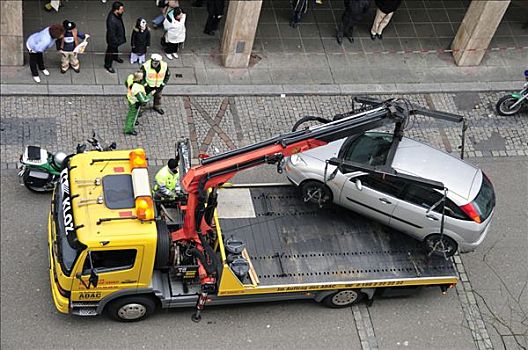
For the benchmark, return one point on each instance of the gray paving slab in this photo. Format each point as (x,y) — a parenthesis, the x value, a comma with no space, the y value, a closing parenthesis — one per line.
(425,320)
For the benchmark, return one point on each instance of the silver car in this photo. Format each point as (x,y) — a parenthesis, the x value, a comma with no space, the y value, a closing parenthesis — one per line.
(396,202)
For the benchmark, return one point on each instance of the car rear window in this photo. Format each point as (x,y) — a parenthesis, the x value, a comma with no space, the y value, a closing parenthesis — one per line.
(484,202)
(118,191)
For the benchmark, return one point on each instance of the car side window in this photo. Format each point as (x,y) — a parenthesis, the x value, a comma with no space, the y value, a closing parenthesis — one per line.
(388,185)
(369,148)
(421,196)
(110,260)
(453,210)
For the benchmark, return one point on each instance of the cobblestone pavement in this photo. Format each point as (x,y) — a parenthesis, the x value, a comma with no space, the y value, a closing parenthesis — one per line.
(216,124)
(220,123)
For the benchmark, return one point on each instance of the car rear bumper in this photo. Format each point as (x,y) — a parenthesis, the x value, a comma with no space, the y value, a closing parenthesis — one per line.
(470,246)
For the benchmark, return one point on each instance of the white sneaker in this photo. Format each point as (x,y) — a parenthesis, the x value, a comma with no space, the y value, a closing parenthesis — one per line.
(103,1)
(37,79)
(175,55)
(169,56)
(45,72)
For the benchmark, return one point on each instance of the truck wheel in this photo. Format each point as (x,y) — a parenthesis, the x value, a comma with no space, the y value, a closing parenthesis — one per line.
(440,245)
(162,246)
(316,192)
(131,309)
(343,298)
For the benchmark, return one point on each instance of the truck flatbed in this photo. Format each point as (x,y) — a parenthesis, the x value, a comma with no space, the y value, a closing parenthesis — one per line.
(294,243)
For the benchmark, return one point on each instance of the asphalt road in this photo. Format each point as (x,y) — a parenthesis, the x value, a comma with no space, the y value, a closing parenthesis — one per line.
(426,320)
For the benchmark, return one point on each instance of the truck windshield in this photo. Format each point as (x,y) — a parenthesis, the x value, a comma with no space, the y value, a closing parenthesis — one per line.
(66,253)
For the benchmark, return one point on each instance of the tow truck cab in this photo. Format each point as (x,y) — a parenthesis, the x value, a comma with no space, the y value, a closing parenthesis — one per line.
(102,239)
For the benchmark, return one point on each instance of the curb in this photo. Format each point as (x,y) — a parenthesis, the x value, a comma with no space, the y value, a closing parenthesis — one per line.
(263,90)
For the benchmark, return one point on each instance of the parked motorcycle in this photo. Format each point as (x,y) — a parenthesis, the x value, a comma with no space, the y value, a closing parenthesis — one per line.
(513,103)
(39,169)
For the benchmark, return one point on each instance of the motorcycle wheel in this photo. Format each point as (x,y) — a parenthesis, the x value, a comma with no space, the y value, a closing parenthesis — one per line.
(37,189)
(504,104)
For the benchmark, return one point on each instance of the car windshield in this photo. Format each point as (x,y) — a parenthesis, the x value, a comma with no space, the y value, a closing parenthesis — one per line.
(484,202)
(369,148)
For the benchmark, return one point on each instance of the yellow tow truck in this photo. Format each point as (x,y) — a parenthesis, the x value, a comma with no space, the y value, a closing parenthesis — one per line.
(114,249)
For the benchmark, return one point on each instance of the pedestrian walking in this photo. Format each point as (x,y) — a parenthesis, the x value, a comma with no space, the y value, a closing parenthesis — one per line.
(385,10)
(158,20)
(156,74)
(136,97)
(215,10)
(353,14)
(39,42)
(174,25)
(67,45)
(53,5)
(115,35)
(299,8)
(140,41)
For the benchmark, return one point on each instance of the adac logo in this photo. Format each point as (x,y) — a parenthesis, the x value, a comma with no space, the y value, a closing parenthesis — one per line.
(90,295)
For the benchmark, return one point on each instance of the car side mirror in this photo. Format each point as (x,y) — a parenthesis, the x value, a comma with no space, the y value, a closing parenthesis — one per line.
(359,185)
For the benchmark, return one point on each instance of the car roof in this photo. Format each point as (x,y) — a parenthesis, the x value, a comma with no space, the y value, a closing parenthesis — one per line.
(419,159)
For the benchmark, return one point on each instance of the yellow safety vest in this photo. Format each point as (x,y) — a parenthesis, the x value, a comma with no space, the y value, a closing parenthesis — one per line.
(165,178)
(133,90)
(153,78)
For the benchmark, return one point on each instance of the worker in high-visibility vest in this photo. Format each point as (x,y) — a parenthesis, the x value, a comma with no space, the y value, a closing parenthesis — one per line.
(136,96)
(156,75)
(167,178)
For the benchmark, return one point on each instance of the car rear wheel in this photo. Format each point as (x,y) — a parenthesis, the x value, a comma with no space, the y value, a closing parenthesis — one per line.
(343,298)
(316,192)
(440,245)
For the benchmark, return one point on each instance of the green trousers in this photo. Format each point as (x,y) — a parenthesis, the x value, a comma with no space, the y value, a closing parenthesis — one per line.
(133,113)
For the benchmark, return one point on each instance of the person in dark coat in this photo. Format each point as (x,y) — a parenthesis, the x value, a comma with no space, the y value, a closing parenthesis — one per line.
(384,14)
(353,14)
(140,41)
(115,35)
(215,9)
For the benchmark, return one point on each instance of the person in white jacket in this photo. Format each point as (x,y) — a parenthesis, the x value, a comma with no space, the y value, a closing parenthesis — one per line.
(174,25)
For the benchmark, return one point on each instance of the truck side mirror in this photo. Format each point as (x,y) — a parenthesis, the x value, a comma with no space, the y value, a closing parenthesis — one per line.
(94,279)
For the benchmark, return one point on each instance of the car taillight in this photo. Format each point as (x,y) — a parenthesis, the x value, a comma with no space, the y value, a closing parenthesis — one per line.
(470,210)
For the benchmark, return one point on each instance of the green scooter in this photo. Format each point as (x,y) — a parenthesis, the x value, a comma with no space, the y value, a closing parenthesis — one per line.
(513,103)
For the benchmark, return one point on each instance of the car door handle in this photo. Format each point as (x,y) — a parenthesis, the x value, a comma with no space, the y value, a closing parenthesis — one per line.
(385,200)
(431,217)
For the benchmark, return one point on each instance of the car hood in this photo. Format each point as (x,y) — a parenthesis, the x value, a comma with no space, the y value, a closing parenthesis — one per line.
(418,159)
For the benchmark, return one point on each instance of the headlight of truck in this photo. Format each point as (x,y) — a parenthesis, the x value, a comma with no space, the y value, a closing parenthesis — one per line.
(297,160)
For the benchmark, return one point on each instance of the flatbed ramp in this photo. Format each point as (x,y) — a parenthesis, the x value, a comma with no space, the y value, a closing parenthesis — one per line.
(291,242)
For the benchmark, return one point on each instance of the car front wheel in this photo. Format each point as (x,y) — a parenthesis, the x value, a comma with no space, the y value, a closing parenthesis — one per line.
(316,192)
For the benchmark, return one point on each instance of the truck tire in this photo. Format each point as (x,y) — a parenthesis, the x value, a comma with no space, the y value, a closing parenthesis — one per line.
(316,192)
(131,309)
(343,298)
(162,246)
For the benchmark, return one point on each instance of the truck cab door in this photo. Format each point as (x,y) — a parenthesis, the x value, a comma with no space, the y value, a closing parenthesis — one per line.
(116,269)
